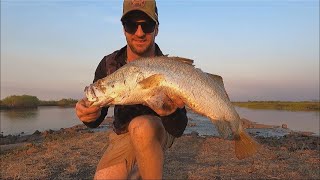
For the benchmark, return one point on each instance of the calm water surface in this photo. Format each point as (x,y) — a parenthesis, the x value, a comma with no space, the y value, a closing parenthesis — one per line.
(296,120)
(44,118)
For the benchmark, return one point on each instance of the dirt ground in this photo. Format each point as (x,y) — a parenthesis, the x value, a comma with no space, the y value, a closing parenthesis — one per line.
(73,153)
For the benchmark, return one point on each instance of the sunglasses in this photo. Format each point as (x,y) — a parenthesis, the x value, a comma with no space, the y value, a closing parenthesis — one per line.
(131,26)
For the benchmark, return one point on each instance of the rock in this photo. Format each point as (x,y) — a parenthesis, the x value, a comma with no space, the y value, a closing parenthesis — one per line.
(47,132)
(50,131)
(194,133)
(36,132)
(70,130)
(284,126)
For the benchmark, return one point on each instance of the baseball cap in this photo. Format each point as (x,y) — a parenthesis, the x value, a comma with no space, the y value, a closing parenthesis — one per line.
(147,6)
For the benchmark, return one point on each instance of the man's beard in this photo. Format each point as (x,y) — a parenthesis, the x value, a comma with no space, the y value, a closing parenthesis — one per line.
(141,52)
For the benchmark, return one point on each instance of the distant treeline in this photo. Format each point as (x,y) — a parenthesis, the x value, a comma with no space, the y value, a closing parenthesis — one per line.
(28,101)
(281,105)
(61,102)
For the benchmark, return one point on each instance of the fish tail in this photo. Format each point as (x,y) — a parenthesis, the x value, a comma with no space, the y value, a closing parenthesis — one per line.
(245,145)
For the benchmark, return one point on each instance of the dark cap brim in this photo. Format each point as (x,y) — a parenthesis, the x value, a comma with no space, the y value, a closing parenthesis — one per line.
(155,19)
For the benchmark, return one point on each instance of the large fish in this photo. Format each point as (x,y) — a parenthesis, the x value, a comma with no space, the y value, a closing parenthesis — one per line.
(155,81)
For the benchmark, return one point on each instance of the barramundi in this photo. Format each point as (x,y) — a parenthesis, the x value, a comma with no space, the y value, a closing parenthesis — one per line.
(157,81)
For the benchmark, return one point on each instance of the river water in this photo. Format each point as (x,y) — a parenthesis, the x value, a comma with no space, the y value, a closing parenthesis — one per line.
(43,118)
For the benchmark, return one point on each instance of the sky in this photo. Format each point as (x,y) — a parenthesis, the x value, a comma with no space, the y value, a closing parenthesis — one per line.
(263,49)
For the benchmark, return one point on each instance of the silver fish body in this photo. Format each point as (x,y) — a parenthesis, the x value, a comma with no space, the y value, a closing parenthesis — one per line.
(150,80)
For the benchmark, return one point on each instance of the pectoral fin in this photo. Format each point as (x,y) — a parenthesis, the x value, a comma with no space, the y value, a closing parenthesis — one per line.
(161,104)
(151,81)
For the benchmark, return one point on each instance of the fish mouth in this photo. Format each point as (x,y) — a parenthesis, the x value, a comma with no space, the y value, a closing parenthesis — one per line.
(91,94)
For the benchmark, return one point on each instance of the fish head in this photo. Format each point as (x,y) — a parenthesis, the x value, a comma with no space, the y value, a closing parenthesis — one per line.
(98,94)
(115,88)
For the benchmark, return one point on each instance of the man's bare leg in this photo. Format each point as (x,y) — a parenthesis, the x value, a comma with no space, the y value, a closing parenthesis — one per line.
(147,133)
(118,171)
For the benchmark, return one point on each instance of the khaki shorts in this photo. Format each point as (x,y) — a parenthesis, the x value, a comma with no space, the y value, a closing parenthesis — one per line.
(120,150)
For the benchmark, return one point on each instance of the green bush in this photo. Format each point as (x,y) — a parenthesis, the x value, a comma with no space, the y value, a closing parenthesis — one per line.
(48,103)
(67,102)
(62,102)
(20,101)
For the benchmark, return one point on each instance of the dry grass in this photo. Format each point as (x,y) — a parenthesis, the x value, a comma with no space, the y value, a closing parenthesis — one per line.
(63,156)
(75,155)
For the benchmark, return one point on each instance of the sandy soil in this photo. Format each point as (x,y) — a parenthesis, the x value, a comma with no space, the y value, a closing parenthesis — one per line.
(73,153)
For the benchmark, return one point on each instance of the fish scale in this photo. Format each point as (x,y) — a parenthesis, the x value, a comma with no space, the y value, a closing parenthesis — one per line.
(152,81)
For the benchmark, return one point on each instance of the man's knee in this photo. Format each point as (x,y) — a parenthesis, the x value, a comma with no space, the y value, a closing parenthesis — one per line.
(118,171)
(146,126)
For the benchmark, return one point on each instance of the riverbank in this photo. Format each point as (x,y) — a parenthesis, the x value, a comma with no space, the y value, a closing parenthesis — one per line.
(281,105)
(73,153)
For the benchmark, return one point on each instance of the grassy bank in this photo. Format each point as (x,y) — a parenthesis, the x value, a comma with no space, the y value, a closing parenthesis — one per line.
(281,105)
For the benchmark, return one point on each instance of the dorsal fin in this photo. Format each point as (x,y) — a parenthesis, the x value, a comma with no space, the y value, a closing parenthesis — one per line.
(181,59)
(216,78)
(219,80)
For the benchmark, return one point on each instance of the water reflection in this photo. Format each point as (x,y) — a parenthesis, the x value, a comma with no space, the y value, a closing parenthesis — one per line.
(17,114)
(42,118)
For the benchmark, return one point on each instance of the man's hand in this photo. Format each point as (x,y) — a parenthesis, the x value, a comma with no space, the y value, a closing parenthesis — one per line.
(164,105)
(85,112)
